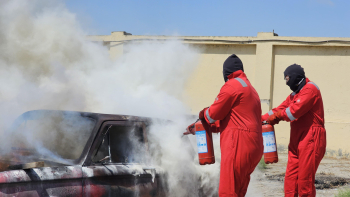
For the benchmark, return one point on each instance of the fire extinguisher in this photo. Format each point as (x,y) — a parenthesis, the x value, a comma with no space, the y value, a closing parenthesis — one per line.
(270,146)
(204,144)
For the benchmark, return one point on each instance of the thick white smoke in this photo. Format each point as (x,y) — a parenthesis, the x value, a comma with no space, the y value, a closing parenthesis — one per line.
(46,62)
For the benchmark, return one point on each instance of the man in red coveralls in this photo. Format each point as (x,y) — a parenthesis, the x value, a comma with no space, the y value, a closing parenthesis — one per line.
(236,114)
(304,109)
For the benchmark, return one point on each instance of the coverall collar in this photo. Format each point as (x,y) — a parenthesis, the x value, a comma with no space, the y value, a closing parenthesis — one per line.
(307,80)
(238,73)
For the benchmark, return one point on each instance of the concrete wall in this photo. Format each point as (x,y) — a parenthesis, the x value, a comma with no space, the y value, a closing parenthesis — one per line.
(326,62)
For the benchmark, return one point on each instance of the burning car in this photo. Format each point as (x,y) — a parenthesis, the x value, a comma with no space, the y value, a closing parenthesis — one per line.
(64,153)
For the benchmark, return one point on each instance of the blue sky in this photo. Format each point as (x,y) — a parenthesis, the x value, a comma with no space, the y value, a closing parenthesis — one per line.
(307,18)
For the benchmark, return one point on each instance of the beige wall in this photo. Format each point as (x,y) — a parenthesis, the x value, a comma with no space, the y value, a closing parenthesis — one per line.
(326,62)
(210,67)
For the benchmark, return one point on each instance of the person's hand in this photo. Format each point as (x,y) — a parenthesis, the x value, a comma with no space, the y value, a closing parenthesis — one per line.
(190,129)
(201,114)
(274,118)
(264,117)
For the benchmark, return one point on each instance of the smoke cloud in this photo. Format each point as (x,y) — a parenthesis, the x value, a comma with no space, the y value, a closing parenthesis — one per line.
(47,62)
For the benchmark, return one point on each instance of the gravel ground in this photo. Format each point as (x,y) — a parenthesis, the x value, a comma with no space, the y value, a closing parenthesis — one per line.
(332,175)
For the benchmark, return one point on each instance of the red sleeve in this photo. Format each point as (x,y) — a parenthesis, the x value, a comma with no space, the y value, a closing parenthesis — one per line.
(281,107)
(298,108)
(222,104)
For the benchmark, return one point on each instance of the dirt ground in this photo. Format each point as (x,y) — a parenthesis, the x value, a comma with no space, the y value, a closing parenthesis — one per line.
(333,174)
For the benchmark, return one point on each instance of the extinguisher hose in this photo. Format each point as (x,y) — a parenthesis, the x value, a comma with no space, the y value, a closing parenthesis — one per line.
(193,125)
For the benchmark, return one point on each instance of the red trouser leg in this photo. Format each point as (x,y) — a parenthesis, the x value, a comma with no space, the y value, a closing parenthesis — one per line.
(302,167)
(227,172)
(241,152)
(291,177)
(311,152)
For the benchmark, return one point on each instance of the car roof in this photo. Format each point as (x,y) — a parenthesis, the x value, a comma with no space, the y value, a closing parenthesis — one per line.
(97,116)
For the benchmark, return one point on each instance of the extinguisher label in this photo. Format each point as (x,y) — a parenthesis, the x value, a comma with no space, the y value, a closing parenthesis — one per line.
(269,142)
(201,141)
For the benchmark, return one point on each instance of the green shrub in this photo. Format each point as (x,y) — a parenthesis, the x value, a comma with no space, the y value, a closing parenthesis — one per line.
(262,165)
(343,193)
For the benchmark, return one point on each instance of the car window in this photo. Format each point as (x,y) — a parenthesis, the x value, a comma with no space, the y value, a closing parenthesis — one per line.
(51,135)
(121,144)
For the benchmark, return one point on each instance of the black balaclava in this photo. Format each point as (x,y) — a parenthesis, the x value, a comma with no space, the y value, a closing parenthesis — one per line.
(232,64)
(297,78)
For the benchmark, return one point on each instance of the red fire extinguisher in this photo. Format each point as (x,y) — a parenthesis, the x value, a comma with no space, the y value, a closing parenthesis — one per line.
(204,144)
(270,146)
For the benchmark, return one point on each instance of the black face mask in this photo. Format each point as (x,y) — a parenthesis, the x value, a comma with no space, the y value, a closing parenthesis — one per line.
(231,65)
(297,78)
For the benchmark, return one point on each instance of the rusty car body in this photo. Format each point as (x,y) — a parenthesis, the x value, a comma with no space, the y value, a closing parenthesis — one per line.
(105,163)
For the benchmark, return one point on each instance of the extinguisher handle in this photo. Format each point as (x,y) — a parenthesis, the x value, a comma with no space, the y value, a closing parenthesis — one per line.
(264,122)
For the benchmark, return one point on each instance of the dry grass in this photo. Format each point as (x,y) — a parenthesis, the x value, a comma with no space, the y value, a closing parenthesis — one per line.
(326,173)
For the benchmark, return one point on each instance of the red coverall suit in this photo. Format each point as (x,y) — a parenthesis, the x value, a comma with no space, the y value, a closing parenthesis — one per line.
(236,114)
(307,139)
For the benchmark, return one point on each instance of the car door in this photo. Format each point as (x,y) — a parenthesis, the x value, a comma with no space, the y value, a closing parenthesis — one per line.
(117,165)
(62,181)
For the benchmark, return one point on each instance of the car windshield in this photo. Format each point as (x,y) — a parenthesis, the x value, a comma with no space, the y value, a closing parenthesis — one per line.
(57,136)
